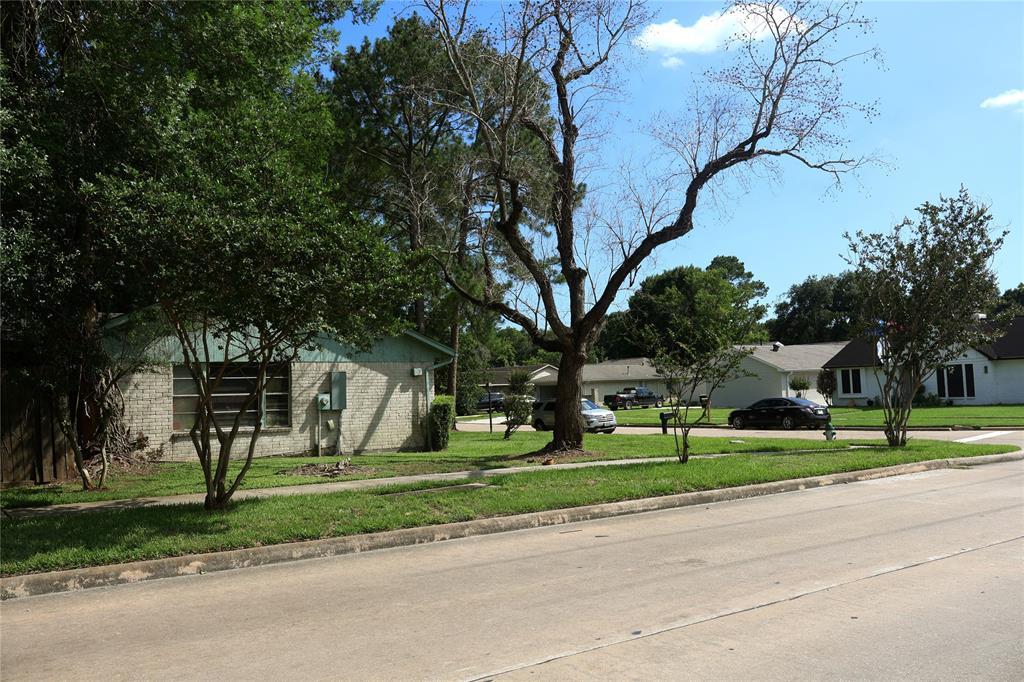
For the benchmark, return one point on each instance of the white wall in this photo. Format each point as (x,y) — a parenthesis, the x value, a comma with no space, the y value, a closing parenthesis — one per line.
(985,391)
(995,382)
(764,382)
(869,389)
(1009,381)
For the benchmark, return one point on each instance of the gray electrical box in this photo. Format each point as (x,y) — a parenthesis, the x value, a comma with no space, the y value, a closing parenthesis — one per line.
(339,390)
(323,401)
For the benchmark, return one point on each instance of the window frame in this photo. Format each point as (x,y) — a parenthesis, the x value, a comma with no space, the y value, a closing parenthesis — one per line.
(238,371)
(850,381)
(964,374)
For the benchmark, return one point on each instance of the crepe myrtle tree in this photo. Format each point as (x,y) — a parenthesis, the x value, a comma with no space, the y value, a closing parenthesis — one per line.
(703,318)
(780,100)
(826,385)
(923,284)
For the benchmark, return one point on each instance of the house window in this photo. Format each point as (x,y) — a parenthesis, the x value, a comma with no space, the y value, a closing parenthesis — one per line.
(956,381)
(230,395)
(850,381)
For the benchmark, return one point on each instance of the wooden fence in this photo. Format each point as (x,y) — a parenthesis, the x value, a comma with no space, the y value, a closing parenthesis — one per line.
(32,447)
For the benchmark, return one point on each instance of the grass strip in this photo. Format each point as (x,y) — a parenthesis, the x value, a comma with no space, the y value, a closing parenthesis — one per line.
(61,542)
(466,452)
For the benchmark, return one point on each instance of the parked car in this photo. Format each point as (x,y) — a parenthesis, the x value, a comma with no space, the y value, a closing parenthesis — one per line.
(491,401)
(788,413)
(596,419)
(631,396)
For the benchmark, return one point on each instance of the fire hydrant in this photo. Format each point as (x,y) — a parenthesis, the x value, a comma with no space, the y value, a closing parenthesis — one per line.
(830,432)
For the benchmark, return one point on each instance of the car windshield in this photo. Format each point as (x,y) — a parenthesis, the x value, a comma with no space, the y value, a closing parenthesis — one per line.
(802,402)
(588,405)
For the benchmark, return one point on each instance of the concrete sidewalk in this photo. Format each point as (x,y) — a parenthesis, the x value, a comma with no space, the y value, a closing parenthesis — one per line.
(343,486)
(320,488)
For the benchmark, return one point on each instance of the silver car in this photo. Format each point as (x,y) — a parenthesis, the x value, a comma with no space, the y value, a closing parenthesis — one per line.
(595,419)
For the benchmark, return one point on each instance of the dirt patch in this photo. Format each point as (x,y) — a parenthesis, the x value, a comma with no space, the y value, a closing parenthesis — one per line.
(546,457)
(327,470)
(135,463)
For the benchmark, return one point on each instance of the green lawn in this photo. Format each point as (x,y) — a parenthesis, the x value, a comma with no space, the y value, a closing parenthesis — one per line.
(467,451)
(976,416)
(60,542)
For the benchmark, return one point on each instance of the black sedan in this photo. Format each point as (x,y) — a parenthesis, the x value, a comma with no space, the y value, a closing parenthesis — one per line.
(789,413)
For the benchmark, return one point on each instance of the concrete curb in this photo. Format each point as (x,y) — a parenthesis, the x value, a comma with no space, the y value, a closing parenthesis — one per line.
(197,564)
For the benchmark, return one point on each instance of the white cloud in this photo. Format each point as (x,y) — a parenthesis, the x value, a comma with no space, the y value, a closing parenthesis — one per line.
(1004,99)
(707,34)
(671,62)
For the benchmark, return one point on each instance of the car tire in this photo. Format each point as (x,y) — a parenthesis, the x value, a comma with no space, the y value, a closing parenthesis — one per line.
(538,425)
(788,423)
(629,405)
(658,404)
(738,423)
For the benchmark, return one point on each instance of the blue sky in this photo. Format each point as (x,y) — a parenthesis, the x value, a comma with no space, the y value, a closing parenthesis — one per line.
(942,60)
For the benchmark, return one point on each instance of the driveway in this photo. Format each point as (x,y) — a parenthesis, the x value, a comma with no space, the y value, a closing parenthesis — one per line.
(910,577)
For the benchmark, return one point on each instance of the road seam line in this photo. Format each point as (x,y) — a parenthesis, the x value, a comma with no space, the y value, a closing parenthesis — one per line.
(982,436)
(678,625)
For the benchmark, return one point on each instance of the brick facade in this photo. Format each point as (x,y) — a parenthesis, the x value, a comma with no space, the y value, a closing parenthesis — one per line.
(387,408)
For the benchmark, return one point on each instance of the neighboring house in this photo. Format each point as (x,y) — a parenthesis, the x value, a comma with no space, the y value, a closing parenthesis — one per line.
(611,376)
(987,375)
(769,369)
(599,378)
(379,400)
(543,377)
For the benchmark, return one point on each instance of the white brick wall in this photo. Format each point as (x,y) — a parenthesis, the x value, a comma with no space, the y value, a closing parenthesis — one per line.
(387,408)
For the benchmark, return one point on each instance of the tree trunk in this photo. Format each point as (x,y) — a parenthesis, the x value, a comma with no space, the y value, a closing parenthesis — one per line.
(568,431)
(453,368)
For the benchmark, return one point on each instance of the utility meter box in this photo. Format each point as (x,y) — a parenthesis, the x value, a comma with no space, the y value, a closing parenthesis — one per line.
(417,371)
(323,401)
(339,390)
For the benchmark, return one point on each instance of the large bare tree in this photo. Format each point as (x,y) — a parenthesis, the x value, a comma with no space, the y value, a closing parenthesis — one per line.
(780,99)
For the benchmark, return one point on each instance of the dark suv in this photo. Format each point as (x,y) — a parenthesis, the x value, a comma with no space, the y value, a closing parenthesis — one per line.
(491,401)
(789,413)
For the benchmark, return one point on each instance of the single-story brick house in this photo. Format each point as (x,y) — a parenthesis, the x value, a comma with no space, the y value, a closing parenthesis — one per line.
(986,375)
(378,399)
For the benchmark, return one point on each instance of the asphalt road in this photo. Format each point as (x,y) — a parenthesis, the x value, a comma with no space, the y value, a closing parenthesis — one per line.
(1012,436)
(916,577)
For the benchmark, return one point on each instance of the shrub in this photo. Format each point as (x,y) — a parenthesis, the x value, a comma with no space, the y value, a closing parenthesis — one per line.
(799,384)
(442,417)
(827,385)
(518,402)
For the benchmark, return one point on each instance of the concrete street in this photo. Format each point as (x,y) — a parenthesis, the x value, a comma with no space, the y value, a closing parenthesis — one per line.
(911,577)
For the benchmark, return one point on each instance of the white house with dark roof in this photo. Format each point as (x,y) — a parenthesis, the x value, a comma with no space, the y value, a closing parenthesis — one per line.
(986,375)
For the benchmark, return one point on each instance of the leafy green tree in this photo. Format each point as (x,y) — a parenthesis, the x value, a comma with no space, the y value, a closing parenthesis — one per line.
(816,310)
(923,283)
(799,384)
(1012,301)
(826,385)
(94,91)
(518,402)
(693,321)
